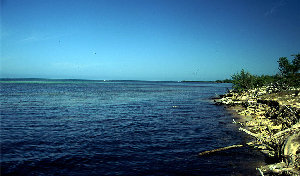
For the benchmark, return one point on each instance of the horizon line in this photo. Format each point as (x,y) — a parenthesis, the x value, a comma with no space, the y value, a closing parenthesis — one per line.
(104,80)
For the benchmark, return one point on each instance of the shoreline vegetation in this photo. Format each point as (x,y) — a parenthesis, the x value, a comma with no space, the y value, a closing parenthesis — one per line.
(268,110)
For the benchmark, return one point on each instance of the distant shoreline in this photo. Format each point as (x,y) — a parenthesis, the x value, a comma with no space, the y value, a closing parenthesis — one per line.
(49,80)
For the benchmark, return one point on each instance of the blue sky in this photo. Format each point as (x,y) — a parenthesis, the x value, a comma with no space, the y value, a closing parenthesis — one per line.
(146,39)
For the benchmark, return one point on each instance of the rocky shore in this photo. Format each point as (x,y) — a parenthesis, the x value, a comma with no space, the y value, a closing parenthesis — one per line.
(272,117)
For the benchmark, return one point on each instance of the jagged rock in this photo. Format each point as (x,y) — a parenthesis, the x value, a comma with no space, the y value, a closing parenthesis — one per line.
(291,148)
(271,103)
(274,115)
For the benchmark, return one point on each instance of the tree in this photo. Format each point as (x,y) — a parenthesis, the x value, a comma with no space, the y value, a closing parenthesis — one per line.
(290,71)
(296,63)
(286,67)
(242,81)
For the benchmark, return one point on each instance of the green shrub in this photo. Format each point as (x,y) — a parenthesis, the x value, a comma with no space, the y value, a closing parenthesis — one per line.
(288,68)
(243,81)
(289,80)
(224,81)
(289,76)
(263,80)
(289,71)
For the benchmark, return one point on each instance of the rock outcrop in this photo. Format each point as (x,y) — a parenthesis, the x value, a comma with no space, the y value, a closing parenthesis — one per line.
(272,117)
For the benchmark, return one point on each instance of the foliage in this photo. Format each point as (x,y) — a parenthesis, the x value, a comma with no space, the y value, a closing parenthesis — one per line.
(242,81)
(289,76)
(263,80)
(288,68)
(245,80)
(292,80)
(289,71)
(224,81)
(284,65)
(296,63)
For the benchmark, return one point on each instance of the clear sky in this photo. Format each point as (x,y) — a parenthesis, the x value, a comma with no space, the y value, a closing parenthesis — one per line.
(146,39)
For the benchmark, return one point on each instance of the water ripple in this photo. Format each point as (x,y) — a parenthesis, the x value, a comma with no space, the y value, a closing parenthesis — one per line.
(113,129)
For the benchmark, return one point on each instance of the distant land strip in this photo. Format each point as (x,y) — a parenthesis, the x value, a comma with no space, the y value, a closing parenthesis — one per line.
(47,80)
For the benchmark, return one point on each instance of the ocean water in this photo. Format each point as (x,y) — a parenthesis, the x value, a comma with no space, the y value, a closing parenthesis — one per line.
(118,128)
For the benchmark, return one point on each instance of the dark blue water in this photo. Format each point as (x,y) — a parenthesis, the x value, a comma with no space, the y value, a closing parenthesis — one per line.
(118,128)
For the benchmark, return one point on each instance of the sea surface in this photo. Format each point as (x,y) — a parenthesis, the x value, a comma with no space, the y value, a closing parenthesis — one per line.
(118,128)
